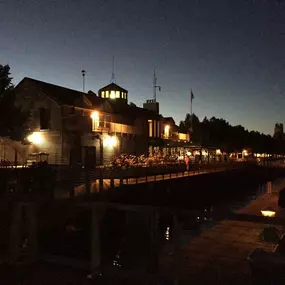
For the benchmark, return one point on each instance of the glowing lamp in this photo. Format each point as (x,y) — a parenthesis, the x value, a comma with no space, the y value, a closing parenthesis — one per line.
(110,141)
(95,115)
(268,213)
(218,152)
(35,138)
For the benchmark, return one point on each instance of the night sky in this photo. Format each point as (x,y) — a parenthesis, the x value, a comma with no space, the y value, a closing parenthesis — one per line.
(231,53)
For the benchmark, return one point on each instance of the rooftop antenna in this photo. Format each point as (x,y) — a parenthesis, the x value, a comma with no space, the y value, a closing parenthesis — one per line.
(83,72)
(155,86)
(113,79)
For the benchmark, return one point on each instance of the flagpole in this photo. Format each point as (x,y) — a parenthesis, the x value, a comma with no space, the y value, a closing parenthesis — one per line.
(191,113)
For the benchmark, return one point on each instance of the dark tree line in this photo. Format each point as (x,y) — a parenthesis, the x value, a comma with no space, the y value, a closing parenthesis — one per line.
(219,133)
(12,118)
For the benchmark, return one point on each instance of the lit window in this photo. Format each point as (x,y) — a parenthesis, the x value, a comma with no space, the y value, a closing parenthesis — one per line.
(95,120)
(166,131)
(154,129)
(107,94)
(103,94)
(150,128)
(112,95)
(117,94)
(123,95)
(182,136)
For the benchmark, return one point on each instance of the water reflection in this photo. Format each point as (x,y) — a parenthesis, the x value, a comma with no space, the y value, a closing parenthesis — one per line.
(167,233)
(116,262)
(136,240)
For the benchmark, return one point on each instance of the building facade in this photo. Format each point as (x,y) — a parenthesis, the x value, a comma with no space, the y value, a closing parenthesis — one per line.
(72,127)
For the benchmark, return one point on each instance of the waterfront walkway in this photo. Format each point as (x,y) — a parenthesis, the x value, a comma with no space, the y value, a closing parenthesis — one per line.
(113,183)
(219,254)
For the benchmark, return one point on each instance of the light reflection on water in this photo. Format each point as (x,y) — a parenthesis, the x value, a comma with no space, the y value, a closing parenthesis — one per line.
(167,233)
(116,260)
(190,226)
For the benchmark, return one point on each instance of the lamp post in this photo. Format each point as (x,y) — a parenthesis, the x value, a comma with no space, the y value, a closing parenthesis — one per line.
(83,72)
(270,233)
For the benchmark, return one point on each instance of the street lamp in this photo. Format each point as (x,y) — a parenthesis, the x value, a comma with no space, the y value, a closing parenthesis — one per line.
(268,213)
(35,138)
(270,233)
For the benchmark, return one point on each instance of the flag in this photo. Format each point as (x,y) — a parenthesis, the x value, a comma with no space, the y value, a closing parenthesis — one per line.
(191,96)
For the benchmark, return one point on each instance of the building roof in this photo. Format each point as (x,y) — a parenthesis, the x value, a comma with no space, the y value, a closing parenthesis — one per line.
(65,96)
(112,86)
(61,95)
(169,120)
(131,110)
(95,101)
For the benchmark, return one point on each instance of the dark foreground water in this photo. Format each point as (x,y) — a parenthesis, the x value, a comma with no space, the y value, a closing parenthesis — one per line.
(134,240)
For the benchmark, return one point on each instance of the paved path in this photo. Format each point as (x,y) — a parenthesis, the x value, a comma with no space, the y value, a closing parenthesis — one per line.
(219,255)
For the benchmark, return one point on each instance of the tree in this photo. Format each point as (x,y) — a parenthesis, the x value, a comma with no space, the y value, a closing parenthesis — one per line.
(185,127)
(219,133)
(12,118)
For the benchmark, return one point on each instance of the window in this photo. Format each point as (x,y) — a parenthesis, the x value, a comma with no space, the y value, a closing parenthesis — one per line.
(166,131)
(107,94)
(44,119)
(154,129)
(118,94)
(95,117)
(112,95)
(95,124)
(103,94)
(150,128)
(158,129)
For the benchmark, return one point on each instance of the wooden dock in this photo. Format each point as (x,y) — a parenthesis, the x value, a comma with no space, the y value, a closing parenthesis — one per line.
(114,183)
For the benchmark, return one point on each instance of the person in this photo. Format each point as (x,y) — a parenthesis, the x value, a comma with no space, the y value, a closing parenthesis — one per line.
(187,161)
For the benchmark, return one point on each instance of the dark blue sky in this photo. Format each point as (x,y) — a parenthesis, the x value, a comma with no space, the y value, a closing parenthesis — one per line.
(231,53)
